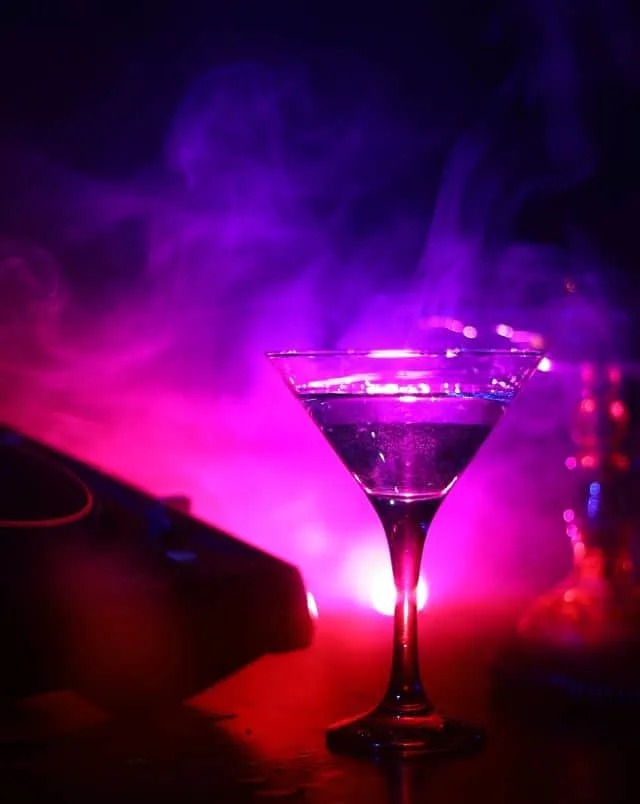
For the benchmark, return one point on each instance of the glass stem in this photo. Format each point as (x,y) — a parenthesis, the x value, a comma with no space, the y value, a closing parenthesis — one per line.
(406,525)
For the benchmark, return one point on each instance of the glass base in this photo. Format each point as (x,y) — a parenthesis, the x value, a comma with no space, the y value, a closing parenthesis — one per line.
(417,734)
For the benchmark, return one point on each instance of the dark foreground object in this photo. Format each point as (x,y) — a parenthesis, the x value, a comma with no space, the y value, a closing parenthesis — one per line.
(599,683)
(125,599)
(260,734)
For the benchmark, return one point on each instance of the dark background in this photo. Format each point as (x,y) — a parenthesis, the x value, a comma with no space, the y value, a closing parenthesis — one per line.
(95,86)
(68,68)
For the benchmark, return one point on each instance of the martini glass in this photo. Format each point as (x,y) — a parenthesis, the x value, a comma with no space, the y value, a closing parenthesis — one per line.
(406,424)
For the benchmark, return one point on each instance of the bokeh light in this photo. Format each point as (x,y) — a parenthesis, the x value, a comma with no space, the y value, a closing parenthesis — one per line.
(312,606)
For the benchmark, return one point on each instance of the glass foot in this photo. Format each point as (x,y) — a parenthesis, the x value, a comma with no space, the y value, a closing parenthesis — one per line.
(416,734)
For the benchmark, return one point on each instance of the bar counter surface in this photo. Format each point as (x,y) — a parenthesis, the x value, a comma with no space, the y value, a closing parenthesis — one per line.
(259,735)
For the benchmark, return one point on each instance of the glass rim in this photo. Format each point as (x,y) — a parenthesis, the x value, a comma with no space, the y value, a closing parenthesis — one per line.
(397,354)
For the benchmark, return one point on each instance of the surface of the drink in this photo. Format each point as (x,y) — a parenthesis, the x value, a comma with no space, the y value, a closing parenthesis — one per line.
(411,447)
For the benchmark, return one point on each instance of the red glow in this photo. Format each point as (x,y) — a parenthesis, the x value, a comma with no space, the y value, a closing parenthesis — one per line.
(588,405)
(588,461)
(620,461)
(618,410)
(579,550)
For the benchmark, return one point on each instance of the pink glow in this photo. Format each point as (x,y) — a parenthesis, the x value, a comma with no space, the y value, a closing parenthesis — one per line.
(166,385)
(256,466)
(618,410)
(504,330)
(573,532)
(390,353)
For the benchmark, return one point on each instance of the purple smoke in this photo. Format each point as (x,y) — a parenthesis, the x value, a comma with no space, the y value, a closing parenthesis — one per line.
(278,220)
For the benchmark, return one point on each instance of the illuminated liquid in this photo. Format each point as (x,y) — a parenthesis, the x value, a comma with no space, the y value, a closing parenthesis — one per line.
(412,447)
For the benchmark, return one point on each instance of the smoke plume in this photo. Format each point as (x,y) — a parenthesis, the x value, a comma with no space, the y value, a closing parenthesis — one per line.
(135,313)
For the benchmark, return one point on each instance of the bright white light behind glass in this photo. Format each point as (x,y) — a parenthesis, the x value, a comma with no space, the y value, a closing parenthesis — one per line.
(383,593)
